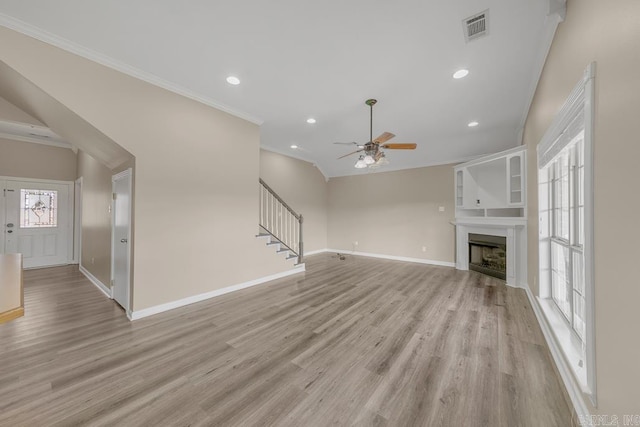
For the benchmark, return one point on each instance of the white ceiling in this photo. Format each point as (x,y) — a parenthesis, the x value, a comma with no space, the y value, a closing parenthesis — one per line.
(299,59)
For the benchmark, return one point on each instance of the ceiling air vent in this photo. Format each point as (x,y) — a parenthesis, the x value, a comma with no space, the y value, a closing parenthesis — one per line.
(476,26)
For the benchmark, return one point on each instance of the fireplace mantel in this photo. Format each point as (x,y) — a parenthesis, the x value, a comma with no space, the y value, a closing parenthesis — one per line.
(515,231)
(500,222)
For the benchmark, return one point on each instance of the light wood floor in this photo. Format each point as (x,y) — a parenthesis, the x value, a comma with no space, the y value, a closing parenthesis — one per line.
(357,342)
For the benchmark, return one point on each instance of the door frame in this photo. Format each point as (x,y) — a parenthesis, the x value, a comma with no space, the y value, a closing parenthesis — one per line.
(77,222)
(70,208)
(125,173)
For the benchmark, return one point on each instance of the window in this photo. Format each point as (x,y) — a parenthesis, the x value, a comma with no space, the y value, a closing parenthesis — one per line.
(565,203)
(566,182)
(38,208)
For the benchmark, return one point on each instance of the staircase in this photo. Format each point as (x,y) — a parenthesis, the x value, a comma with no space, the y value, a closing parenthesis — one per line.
(280,226)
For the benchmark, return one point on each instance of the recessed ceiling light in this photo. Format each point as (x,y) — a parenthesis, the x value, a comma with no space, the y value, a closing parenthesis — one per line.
(311,120)
(460,74)
(473,124)
(294,146)
(232,80)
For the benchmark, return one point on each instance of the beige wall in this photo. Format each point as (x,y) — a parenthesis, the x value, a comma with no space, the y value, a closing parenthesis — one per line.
(27,96)
(196,172)
(608,33)
(303,187)
(11,113)
(96,217)
(394,213)
(29,160)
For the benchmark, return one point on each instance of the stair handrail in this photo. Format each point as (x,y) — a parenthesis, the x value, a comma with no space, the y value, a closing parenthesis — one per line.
(282,229)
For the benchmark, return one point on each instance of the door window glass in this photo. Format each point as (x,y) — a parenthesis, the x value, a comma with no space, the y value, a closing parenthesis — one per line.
(38,208)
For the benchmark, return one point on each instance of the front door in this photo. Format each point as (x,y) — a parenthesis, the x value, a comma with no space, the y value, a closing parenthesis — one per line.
(37,222)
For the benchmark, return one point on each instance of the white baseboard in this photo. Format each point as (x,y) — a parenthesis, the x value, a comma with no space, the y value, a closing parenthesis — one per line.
(98,284)
(139,314)
(572,386)
(318,251)
(394,258)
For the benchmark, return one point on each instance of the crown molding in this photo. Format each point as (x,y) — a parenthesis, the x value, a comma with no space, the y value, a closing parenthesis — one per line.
(35,140)
(555,15)
(84,52)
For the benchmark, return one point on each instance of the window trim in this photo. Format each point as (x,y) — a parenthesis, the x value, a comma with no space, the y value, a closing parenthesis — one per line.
(580,101)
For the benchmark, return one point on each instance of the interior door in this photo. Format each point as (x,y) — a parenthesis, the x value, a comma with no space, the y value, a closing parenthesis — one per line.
(121,237)
(37,222)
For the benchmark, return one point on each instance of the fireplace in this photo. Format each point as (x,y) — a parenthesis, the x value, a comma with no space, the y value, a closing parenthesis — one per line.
(514,241)
(488,255)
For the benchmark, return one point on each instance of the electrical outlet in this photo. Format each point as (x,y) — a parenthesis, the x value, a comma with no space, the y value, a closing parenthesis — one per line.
(441,209)
(424,249)
(93,260)
(355,243)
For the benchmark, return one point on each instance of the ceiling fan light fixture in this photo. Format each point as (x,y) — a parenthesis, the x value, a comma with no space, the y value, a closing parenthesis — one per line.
(368,160)
(473,124)
(360,164)
(294,146)
(233,80)
(311,120)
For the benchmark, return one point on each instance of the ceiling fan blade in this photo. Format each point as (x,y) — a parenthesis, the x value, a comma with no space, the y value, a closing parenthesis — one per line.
(354,152)
(383,138)
(401,146)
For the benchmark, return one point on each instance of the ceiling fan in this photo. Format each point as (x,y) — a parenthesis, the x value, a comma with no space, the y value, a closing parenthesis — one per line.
(373,155)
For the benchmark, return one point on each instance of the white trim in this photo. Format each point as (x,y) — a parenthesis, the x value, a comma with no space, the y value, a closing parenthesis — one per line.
(21,138)
(47,181)
(318,251)
(556,15)
(139,314)
(490,157)
(512,229)
(77,221)
(576,104)
(82,51)
(98,284)
(51,139)
(580,101)
(488,221)
(566,373)
(394,257)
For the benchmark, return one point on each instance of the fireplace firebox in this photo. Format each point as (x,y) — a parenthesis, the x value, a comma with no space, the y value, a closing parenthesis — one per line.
(488,255)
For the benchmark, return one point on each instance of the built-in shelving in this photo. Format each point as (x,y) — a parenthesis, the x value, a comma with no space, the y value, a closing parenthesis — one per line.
(492,186)
(459,187)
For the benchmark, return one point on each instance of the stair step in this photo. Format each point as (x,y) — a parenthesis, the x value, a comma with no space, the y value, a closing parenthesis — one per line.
(273,242)
(283,250)
(292,256)
(263,235)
